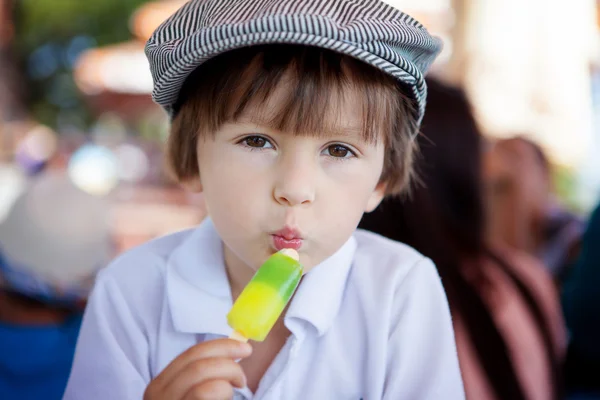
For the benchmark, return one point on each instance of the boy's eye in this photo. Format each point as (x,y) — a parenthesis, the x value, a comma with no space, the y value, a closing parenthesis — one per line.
(256,141)
(339,151)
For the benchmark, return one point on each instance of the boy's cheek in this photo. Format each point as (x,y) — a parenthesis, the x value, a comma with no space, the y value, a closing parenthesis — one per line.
(376,197)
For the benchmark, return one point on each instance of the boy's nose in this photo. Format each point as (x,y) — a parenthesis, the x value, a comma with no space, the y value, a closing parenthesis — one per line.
(295,185)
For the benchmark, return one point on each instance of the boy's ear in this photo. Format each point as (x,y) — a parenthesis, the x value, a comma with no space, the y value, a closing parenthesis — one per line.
(376,197)
(193,185)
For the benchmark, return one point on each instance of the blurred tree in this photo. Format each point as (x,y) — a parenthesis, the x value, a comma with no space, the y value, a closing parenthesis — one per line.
(49,36)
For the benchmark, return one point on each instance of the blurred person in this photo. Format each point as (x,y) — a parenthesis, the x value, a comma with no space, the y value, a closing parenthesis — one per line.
(509,331)
(523,212)
(581,303)
(52,241)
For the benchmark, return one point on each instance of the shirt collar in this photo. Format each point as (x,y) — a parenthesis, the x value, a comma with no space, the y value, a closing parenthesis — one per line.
(199,294)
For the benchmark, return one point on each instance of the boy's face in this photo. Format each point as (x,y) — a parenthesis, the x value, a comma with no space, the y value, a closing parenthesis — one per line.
(266,190)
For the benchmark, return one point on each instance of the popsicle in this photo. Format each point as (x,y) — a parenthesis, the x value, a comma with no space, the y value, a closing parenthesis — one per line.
(264,298)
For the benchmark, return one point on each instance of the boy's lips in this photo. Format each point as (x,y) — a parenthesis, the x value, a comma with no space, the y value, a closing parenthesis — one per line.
(281,243)
(287,238)
(288,233)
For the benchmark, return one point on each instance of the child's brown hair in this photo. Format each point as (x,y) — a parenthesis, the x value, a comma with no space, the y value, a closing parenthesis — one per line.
(223,88)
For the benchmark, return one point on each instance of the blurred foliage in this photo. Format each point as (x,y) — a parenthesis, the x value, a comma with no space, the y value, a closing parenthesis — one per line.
(50,35)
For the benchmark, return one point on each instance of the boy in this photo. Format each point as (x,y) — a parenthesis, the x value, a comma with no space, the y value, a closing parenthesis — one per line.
(293,118)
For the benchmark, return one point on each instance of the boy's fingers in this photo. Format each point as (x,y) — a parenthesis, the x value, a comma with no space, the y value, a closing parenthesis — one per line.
(221,348)
(205,370)
(211,390)
(226,348)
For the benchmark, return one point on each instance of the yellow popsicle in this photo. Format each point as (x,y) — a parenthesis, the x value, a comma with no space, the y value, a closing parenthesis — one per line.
(264,298)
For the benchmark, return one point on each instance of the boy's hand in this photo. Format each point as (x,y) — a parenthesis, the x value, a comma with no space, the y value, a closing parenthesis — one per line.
(205,371)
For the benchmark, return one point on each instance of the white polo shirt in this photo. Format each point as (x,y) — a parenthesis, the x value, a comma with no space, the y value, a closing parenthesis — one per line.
(371,322)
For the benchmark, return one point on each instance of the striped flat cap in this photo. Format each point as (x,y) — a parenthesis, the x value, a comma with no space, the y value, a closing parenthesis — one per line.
(369,30)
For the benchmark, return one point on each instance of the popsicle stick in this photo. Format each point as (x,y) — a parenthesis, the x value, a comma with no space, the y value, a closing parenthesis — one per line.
(235,335)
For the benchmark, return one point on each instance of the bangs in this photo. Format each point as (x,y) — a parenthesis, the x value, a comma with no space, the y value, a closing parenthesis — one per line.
(298,90)
(294,89)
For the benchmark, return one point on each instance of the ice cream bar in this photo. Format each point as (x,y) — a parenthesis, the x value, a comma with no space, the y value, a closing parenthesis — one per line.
(264,298)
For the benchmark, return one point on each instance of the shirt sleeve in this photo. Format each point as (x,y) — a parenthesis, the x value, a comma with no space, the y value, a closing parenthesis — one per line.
(112,350)
(422,358)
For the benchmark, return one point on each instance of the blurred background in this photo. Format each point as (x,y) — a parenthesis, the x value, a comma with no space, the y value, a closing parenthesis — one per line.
(75,101)
(74,96)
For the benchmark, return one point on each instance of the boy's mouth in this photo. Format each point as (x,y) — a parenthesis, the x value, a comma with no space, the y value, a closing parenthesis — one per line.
(287,238)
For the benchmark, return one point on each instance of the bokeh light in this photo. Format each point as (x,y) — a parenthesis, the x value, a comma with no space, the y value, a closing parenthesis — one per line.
(94,169)
(133,163)
(38,146)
